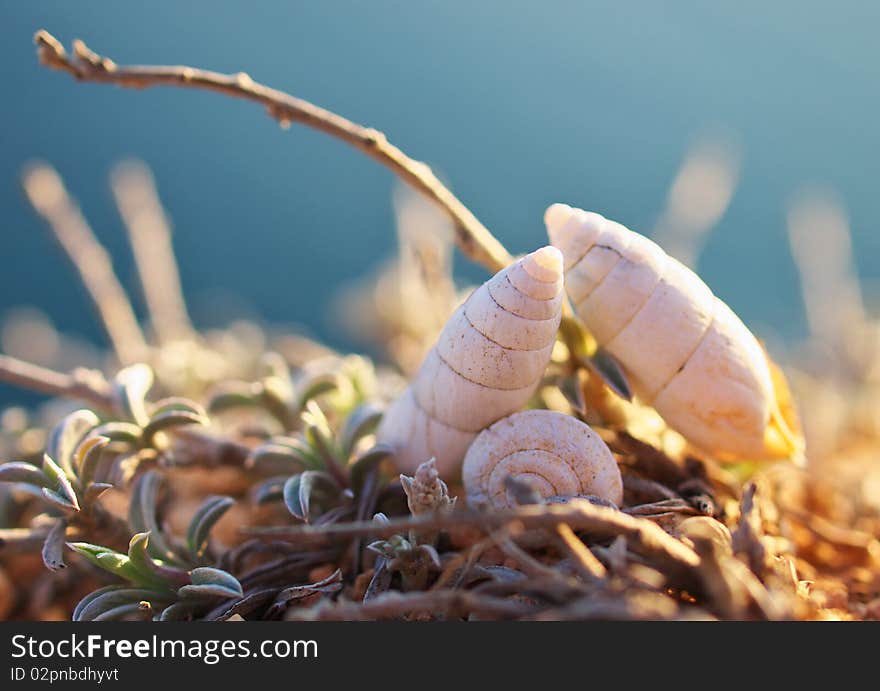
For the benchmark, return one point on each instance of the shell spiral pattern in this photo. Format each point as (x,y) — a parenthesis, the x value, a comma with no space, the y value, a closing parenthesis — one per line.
(684,351)
(556,454)
(486,364)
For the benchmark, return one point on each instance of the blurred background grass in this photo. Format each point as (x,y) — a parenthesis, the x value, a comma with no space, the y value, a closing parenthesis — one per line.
(515,104)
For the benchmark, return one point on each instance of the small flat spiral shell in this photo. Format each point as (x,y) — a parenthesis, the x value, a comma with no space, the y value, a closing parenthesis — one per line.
(683,350)
(486,364)
(556,454)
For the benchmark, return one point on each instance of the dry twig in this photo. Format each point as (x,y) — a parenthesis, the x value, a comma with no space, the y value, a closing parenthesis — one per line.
(525,561)
(150,235)
(82,385)
(472,237)
(50,199)
(747,536)
(449,603)
(91,387)
(644,537)
(584,560)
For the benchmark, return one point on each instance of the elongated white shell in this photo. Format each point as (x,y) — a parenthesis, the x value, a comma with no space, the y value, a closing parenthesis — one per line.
(556,454)
(486,364)
(683,350)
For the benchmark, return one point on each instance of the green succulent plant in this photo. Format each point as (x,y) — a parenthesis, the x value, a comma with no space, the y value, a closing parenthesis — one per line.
(168,577)
(413,561)
(327,468)
(86,455)
(154,588)
(345,382)
(143,517)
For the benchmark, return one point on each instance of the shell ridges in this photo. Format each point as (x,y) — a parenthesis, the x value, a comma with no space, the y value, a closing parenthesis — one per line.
(485,364)
(683,350)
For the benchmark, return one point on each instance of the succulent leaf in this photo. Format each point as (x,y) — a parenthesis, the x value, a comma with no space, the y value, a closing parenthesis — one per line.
(142,514)
(367,462)
(310,493)
(283,453)
(207,515)
(233,395)
(86,458)
(60,490)
(21,471)
(604,364)
(53,547)
(118,431)
(174,412)
(67,435)
(130,387)
(109,598)
(311,387)
(109,560)
(269,490)
(362,421)
(208,582)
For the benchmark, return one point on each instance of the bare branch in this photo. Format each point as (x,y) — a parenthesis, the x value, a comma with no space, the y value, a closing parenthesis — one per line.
(643,536)
(83,385)
(50,199)
(584,560)
(472,237)
(525,561)
(746,538)
(192,445)
(150,234)
(448,603)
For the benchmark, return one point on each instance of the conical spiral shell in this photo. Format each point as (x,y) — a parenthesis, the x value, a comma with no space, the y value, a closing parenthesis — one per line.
(683,350)
(486,364)
(556,454)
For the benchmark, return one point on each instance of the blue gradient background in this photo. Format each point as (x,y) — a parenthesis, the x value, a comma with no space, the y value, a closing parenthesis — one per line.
(516,104)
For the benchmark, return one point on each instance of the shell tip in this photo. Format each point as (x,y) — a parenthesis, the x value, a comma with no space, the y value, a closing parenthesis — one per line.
(544,264)
(556,215)
(557,218)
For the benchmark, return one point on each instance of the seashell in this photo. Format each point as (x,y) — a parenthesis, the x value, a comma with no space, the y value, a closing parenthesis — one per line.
(554,453)
(486,364)
(684,351)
